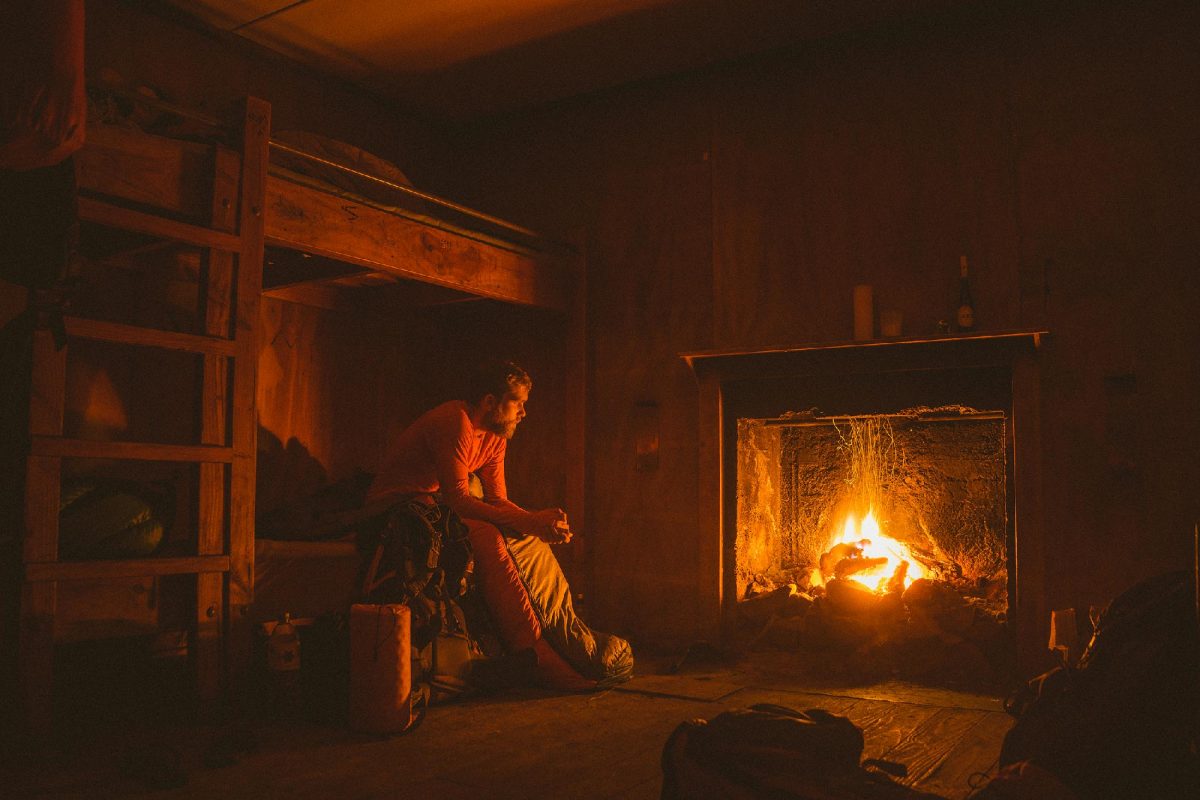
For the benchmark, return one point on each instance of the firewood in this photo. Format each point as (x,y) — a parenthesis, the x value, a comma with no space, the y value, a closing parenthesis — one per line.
(761,607)
(929,593)
(855,564)
(850,597)
(895,584)
(838,553)
(797,605)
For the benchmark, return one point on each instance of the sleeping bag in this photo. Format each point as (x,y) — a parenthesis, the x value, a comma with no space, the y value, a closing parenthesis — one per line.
(530,604)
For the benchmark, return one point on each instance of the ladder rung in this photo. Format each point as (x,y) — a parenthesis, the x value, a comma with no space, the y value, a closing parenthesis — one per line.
(123,568)
(117,217)
(133,451)
(149,337)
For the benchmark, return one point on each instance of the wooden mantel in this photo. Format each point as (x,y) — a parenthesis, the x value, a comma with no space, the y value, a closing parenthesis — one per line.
(1013,350)
(953,350)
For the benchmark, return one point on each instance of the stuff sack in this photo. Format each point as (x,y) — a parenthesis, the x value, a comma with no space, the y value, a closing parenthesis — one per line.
(1123,723)
(43,106)
(381,689)
(772,751)
(108,518)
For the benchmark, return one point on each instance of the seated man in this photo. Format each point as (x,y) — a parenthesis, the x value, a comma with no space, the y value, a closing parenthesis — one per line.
(519,577)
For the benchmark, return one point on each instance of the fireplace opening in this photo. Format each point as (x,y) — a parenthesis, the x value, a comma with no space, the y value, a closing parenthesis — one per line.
(877,543)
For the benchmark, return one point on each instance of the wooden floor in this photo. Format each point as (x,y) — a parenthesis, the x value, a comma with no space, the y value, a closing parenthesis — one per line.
(530,744)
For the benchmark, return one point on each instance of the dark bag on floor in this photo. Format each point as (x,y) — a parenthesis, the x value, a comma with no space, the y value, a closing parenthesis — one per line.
(1123,723)
(770,751)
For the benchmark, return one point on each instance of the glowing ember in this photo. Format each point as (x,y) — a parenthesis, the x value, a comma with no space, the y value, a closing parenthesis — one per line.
(864,554)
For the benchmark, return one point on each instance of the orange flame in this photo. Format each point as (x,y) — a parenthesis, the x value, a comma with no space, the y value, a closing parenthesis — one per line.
(877,545)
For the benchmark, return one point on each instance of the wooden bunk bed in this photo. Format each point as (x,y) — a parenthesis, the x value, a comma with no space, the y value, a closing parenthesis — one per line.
(225,207)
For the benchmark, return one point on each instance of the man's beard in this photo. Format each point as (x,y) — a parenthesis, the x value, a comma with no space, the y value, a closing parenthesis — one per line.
(494,424)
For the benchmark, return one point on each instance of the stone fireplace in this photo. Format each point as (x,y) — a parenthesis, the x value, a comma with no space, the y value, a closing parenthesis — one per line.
(931,446)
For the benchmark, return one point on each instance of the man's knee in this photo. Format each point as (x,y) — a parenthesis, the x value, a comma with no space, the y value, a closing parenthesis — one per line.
(483,534)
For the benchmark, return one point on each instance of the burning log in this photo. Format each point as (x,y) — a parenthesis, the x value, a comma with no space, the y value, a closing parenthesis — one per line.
(838,553)
(849,566)
(850,597)
(846,558)
(895,584)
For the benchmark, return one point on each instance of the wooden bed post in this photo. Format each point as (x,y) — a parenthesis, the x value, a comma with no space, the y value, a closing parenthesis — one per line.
(256,130)
(43,475)
(578,367)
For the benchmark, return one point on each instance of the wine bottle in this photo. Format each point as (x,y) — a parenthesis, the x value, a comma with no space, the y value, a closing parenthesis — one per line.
(966,308)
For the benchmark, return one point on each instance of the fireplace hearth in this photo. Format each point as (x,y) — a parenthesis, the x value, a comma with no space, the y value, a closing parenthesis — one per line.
(928,446)
(839,518)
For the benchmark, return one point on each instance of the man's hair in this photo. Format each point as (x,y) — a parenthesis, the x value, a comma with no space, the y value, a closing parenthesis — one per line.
(496,378)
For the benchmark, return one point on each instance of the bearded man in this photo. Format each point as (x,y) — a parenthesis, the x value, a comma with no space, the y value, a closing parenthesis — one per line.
(439,451)
(520,579)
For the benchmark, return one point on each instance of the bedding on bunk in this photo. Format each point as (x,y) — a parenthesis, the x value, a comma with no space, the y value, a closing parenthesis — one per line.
(42,97)
(341,153)
(329,512)
(305,562)
(120,103)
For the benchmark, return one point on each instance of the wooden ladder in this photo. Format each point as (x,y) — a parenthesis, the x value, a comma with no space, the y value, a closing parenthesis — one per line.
(223,561)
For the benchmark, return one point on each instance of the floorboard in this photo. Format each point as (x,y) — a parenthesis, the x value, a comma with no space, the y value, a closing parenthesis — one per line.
(530,744)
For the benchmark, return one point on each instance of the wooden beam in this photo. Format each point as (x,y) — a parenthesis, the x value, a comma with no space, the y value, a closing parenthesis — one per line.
(133,451)
(169,174)
(710,507)
(43,487)
(576,416)
(39,571)
(217,297)
(323,296)
(1032,610)
(303,218)
(252,213)
(103,213)
(131,334)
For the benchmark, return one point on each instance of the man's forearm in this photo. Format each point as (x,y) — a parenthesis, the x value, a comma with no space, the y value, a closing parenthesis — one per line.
(499,512)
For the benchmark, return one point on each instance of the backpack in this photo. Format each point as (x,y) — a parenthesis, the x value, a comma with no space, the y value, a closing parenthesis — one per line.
(418,554)
(1124,722)
(771,751)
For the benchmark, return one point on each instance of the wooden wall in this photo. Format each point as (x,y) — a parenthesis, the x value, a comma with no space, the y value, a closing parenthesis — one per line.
(335,387)
(1054,145)
(209,71)
(330,383)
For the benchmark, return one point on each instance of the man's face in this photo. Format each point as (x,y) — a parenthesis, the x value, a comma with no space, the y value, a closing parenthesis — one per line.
(504,414)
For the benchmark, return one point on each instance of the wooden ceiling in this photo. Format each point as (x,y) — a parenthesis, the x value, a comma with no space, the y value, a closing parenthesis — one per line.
(460,59)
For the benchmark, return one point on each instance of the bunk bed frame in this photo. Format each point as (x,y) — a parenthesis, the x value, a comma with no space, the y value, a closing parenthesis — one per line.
(227,201)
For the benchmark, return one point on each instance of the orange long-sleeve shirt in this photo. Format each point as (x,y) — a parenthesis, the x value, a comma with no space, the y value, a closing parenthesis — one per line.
(438,452)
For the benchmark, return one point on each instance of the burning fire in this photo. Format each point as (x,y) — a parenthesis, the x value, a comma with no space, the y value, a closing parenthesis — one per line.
(864,554)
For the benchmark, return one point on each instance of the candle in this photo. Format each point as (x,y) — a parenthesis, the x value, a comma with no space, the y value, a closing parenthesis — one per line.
(891,322)
(864,312)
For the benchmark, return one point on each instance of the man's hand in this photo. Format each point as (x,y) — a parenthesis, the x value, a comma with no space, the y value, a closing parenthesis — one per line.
(550,525)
